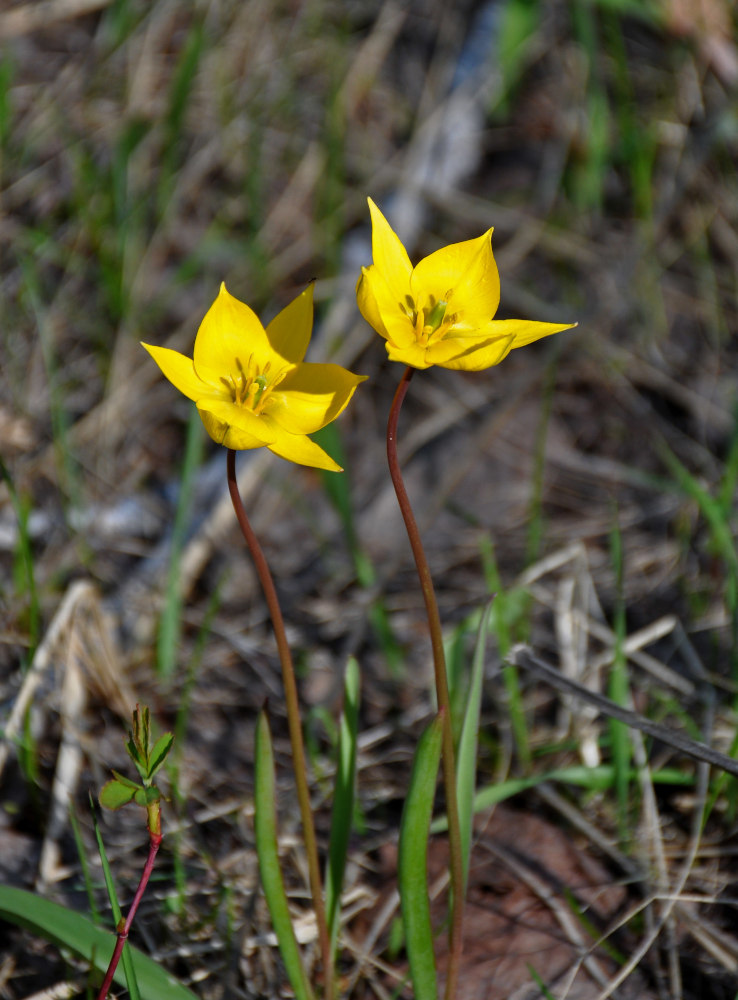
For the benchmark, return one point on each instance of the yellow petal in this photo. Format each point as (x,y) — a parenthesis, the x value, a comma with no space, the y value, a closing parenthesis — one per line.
(234,426)
(473,354)
(289,331)
(180,371)
(230,330)
(367,301)
(300,449)
(311,396)
(381,309)
(390,256)
(413,354)
(525,331)
(463,274)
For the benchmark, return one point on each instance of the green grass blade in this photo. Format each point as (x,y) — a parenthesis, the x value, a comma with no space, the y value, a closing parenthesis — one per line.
(502,614)
(175,759)
(343,799)
(338,491)
(545,992)
(265,826)
(129,969)
(730,472)
(712,509)
(466,763)
(70,930)
(107,873)
(24,561)
(67,465)
(620,693)
(594,779)
(170,623)
(85,866)
(412,862)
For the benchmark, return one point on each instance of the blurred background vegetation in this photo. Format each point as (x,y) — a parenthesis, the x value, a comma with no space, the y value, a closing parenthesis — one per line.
(150,149)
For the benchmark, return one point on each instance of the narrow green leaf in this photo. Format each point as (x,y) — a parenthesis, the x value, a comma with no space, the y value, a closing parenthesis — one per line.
(107,873)
(129,969)
(545,992)
(67,929)
(84,865)
(24,559)
(159,753)
(343,799)
(619,691)
(170,622)
(265,827)
(594,779)
(412,862)
(466,764)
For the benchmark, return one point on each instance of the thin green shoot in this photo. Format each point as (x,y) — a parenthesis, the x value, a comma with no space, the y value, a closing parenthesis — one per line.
(412,867)
(519,21)
(545,991)
(84,866)
(619,691)
(24,575)
(650,11)
(67,469)
(28,758)
(338,490)
(267,850)
(501,627)
(179,95)
(126,958)
(124,251)
(343,799)
(332,192)
(170,622)
(589,927)
(589,177)
(637,142)
(716,511)
(727,489)
(118,22)
(7,73)
(466,759)
(536,524)
(593,779)
(456,648)
(174,761)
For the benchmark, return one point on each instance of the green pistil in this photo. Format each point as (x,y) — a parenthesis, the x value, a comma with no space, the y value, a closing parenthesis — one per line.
(435,317)
(261,381)
(247,389)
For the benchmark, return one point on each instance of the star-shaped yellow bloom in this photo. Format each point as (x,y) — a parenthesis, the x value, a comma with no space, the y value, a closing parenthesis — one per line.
(440,311)
(250,384)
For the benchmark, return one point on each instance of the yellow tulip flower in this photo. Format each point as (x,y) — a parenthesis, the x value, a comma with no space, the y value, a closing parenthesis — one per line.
(250,384)
(440,311)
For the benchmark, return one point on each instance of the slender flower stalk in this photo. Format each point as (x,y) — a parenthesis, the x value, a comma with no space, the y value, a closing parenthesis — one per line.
(293,719)
(442,695)
(155,838)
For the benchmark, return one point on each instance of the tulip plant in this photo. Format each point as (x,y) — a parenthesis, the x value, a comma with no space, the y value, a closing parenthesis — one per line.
(253,389)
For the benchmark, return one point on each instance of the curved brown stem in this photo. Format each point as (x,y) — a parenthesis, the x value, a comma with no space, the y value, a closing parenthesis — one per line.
(293,719)
(444,703)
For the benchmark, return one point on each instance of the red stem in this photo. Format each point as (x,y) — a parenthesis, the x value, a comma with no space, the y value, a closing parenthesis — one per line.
(442,695)
(122,936)
(293,719)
